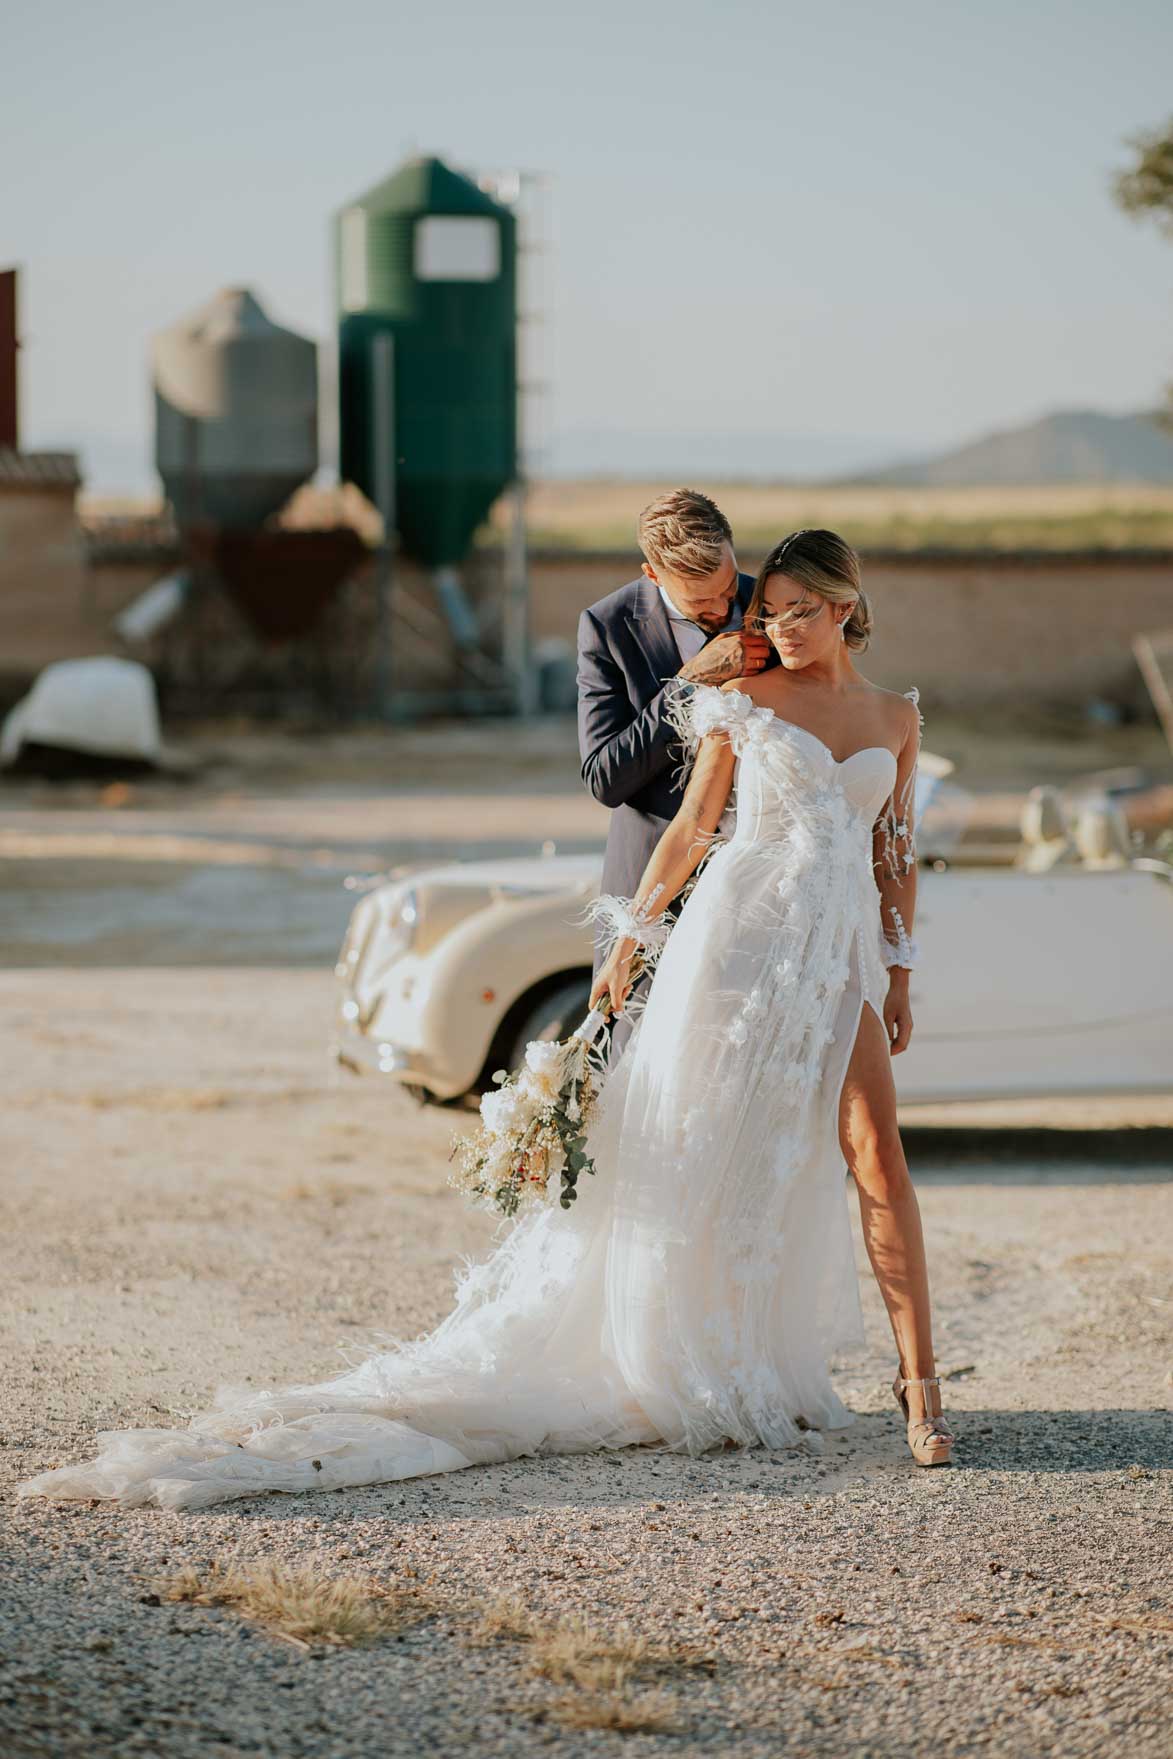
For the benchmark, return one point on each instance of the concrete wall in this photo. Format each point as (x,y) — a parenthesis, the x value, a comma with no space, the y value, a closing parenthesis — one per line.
(42,583)
(970,631)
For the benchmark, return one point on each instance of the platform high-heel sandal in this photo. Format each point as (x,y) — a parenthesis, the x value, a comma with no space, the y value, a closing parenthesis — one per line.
(930,1440)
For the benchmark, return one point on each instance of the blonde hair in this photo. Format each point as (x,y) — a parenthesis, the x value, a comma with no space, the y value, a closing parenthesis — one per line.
(685,533)
(821,562)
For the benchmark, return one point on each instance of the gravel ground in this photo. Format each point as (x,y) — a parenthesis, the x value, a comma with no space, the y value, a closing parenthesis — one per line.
(191,1197)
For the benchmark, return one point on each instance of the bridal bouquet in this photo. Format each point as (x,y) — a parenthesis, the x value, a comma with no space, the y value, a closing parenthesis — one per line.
(533,1123)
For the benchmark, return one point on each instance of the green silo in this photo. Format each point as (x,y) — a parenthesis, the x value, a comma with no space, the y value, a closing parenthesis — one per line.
(429,259)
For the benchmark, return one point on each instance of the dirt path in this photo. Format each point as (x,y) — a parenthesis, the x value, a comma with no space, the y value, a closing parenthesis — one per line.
(190,1196)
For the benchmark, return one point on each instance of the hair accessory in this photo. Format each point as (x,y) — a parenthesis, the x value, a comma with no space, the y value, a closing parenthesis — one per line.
(787,541)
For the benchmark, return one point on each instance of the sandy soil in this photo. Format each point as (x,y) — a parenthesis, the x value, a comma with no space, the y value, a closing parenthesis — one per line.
(192,1194)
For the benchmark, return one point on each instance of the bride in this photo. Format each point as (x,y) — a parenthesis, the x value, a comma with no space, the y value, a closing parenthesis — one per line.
(696,1291)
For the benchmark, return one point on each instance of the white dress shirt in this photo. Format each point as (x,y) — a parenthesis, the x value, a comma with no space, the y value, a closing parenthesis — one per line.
(689,636)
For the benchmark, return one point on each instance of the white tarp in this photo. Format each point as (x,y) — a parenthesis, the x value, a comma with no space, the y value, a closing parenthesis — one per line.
(104,706)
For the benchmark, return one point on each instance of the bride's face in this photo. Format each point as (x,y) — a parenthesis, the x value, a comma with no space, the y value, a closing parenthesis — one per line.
(800,625)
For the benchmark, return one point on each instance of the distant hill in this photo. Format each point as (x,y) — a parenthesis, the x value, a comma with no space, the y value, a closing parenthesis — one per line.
(1071,446)
(583,454)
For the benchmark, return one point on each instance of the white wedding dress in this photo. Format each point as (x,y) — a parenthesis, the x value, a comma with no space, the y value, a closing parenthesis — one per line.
(705,1275)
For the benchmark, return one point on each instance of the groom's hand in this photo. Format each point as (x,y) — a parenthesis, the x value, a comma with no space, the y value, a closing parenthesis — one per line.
(737,654)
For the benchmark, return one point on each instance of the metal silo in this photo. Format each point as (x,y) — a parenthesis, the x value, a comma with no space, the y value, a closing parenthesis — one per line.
(426,281)
(236,412)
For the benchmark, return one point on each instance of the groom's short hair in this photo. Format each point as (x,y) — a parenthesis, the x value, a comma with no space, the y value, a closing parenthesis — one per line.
(684,533)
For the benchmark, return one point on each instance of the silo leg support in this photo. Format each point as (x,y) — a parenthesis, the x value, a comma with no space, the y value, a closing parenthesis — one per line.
(459,613)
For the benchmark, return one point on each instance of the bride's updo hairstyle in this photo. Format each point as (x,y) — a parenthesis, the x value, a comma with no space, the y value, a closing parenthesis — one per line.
(823,563)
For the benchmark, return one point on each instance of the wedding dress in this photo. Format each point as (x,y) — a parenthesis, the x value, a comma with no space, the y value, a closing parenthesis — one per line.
(698,1286)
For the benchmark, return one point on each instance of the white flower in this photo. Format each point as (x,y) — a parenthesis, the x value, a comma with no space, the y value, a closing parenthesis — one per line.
(544,1057)
(506,1109)
(542,1075)
(737,1032)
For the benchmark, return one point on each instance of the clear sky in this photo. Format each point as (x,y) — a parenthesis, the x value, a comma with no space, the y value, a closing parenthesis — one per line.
(831,218)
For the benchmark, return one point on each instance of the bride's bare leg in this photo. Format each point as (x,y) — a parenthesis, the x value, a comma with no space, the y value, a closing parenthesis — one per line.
(889,1210)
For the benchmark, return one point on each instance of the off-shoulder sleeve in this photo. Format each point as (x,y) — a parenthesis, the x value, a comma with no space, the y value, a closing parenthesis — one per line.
(696,710)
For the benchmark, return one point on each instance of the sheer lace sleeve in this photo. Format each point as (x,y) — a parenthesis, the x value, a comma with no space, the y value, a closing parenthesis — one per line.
(895,838)
(896,826)
(900,949)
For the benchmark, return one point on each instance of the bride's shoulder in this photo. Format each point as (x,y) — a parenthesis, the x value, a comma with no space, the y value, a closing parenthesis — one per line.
(750,687)
(904,707)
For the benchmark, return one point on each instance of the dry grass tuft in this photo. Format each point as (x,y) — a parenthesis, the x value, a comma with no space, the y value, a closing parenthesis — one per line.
(651,1715)
(1008,1640)
(301,1605)
(1143,1625)
(601,1667)
(506,1620)
(573,1651)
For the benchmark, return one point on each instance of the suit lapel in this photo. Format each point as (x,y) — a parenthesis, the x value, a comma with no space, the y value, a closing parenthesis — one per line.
(654,633)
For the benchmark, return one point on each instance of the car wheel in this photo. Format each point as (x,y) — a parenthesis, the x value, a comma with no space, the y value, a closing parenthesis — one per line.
(555,1016)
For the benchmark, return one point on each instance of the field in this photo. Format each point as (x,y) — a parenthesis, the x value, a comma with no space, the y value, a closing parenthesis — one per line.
(1114,516)
(600,514)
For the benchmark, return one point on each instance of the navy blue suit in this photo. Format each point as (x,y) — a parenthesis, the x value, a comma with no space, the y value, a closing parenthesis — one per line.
(626,657)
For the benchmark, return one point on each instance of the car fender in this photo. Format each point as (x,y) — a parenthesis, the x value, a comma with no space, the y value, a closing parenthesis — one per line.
(485,965)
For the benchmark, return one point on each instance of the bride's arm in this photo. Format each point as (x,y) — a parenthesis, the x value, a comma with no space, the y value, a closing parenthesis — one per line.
(894,865)
(679,851)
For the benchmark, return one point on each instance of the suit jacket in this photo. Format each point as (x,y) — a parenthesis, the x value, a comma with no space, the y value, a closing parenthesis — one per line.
(627,655)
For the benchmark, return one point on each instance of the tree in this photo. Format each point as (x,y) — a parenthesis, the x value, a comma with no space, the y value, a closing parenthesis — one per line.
(1146,189)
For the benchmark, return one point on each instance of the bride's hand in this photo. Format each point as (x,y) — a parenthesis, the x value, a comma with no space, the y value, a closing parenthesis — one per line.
(897,1012)
(614,979)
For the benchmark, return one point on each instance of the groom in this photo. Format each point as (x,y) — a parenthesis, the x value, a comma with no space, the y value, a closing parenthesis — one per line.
(682,619)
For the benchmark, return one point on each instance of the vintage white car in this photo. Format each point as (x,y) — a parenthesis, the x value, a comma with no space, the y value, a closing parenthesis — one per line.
(1046,973)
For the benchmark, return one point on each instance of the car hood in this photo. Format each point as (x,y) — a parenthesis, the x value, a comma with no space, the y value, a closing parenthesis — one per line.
(522,873)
